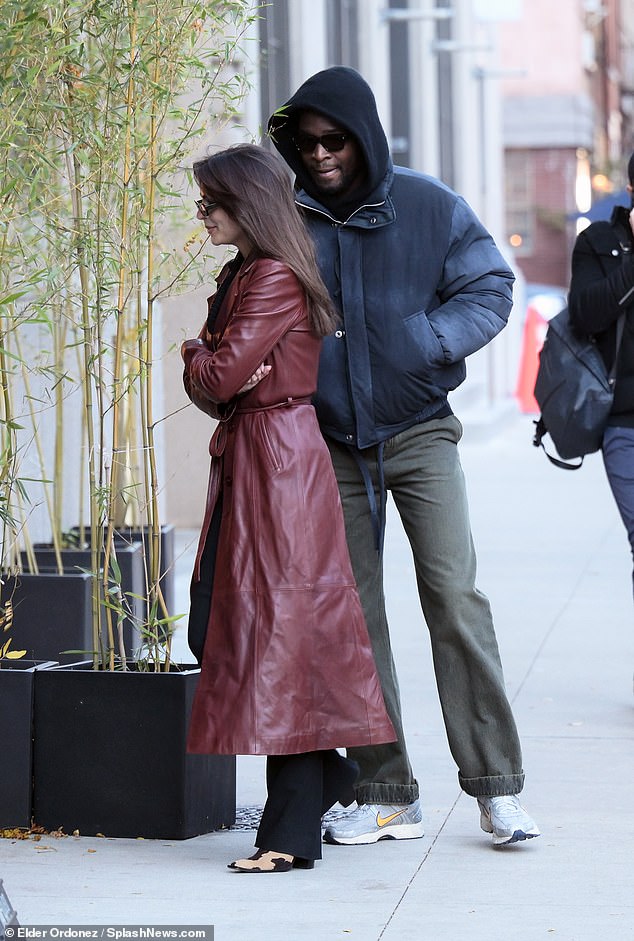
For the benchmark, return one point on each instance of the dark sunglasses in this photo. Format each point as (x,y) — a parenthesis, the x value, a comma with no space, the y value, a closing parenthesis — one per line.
(333,142)
(205,207)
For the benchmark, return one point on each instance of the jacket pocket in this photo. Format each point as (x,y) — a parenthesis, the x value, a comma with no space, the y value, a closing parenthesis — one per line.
(425,342)
(269,451)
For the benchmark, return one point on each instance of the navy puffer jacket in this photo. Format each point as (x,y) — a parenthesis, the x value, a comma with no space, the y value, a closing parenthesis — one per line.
(417,278)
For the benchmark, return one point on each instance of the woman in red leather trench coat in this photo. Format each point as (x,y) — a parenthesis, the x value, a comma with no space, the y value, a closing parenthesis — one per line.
(287,668)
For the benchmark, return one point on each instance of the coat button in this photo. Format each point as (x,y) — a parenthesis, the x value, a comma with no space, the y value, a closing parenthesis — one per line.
(340,333)
(373,220)
(349,437)
(615,251)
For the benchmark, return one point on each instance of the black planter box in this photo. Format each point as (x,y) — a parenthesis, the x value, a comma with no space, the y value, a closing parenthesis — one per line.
(110,756)
(128,535)
(167,572)
(130,561)
(16,740)
(51,614)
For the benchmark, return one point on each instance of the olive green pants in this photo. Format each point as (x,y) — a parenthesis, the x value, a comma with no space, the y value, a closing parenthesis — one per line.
(422,472)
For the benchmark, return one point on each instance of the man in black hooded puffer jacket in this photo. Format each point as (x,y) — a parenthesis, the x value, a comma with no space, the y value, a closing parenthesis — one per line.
(420,285)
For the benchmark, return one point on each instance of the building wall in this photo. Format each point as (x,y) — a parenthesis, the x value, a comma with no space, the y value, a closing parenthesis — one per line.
(626,42)
(551,174)
(185,430)
(563,116)
(545,44)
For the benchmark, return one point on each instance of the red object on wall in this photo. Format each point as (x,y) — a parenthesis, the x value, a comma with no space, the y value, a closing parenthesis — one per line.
(535,327)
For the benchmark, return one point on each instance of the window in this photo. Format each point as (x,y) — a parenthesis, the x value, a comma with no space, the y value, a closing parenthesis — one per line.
(400,87)
(520,213)
(342,26)
(275,72)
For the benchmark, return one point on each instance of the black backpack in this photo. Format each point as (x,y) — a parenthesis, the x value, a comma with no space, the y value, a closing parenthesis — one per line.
(574,392)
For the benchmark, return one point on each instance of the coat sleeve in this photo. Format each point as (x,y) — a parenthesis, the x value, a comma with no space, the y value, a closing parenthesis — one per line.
(599,291)
(269,302)
(196,395)
(475,291)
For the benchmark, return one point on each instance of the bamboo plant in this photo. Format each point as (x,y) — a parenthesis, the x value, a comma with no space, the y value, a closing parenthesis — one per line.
(104,103)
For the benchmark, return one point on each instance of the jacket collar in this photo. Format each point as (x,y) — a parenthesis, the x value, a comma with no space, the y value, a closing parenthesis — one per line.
(377,210)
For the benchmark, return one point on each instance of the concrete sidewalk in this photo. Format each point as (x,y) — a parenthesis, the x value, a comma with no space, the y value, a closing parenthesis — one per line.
(554,560)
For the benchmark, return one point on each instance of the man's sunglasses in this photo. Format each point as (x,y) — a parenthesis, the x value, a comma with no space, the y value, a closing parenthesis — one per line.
(333,142)
(205,207)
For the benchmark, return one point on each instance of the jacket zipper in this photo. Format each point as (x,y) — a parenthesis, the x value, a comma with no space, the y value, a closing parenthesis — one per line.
(332,219)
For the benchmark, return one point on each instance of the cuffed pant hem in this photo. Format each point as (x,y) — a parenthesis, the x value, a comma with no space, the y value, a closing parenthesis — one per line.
(495,785)
(387,793)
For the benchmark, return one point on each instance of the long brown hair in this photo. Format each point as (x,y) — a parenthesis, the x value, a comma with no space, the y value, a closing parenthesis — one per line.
(253,187)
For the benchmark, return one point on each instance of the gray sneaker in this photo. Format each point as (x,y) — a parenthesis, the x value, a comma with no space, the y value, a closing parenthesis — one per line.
(370,823)
(506,819)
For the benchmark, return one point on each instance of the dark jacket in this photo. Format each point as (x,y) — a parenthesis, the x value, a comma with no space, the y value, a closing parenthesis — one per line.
(419,281)
(287,665)
(601,289)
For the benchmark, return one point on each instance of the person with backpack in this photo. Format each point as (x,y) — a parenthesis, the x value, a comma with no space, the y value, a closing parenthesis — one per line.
(601,292)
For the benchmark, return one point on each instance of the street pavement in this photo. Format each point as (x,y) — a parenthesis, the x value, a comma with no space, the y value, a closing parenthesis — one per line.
(554,561)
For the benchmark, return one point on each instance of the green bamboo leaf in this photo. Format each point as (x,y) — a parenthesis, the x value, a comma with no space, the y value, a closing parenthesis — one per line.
(115,568)
(171,619)
(10,298)
(10,354)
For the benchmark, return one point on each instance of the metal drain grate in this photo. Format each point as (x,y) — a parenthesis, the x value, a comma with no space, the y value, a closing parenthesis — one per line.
(248,818)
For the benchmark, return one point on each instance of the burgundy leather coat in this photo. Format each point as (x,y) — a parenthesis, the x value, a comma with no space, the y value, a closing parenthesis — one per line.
(287,665)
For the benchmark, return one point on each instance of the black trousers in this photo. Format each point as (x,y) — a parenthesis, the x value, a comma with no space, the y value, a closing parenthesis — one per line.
(301,788)
(200,592)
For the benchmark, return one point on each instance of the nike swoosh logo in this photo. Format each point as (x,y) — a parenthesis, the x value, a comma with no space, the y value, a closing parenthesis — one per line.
(383,821)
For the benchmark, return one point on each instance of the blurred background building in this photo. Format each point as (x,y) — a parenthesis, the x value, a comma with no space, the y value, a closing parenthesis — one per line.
(525,107)
(567,125)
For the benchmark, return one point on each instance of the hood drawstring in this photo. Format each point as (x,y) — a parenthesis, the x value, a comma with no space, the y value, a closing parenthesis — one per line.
(377,511)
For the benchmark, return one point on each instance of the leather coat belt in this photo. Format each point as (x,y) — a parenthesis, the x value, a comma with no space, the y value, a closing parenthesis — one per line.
(219,438)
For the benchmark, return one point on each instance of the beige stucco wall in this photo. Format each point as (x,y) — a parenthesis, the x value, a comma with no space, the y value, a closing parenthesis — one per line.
(185,431)
(546,44)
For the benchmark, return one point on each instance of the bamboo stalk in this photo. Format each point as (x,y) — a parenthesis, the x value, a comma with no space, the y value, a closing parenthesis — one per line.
(8,455)
(8,448)
(116,465)
(59,334)
(75,181)
(155,596)
(40,455)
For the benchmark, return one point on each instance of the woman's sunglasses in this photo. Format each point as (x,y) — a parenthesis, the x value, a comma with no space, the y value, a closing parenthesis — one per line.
(205,207)
(333,142)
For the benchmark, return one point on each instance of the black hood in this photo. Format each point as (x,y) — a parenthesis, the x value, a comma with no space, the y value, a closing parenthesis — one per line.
(342,95)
